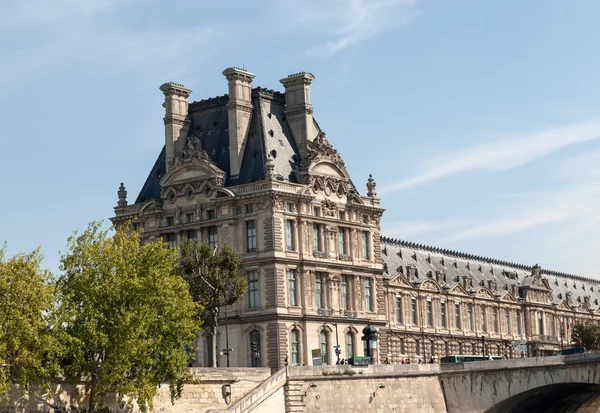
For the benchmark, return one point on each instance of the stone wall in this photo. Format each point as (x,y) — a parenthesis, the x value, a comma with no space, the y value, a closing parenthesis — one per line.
(195,398)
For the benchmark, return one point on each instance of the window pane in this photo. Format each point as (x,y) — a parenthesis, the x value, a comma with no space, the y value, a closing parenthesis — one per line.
(399,318)
(414,311)
(295,347)
(292,286)
(342,240)
(457,315)
(324,347)
(368,298)
(316,237)
(429,314)
(251,236)
(289,233)
(212,237)
(443,313)
(255,353)
(345,292)
(349,345)
(365,245)
(319,290)
(253,301)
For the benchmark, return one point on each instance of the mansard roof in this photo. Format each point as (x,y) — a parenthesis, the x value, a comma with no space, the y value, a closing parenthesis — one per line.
(269,133)
(397,255)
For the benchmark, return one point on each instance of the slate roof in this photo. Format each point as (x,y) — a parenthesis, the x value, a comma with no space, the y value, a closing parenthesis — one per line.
(399,253)
(268,133)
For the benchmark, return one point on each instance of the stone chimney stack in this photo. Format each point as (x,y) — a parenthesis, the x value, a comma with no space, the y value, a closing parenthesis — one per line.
(239,109)
(298,109)
(176,121)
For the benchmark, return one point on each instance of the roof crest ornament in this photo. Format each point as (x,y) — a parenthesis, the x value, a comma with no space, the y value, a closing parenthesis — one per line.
(191,152)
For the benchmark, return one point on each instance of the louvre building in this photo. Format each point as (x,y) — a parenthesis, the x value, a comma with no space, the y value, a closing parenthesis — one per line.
(254,169)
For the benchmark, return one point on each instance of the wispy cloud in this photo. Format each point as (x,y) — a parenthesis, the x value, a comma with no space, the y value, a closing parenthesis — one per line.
(501,155)
(91,36)
(340,24)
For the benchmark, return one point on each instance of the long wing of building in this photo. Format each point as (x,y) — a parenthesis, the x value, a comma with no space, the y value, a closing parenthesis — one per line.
(253,169)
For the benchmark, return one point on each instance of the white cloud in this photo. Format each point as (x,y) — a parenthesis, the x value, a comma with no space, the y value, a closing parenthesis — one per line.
(74,34)
(344,23)
(504,154)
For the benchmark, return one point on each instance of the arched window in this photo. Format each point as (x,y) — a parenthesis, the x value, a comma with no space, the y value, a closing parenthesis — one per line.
(349,344)
(295,347)
(324,346)
(255,354)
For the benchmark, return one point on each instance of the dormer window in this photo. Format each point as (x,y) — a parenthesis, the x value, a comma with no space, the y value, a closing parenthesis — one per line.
(317,211)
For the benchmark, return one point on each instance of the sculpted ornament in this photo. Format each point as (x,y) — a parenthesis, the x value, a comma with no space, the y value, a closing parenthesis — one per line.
(192,151)
(329,208)
(320,149)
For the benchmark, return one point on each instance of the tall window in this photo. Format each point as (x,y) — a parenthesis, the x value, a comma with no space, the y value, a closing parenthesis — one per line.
(443,314)
(253,301)
(172,240)
(255,356)
(483,319)
(316,237)
(413,305)
(289,235)
(470,316)
(324,347)
(342,239)
(507,321)
(349,345)
(399,315)
(295,347)
(212,237)
(365,245)
(457,316)
(345,292)
(518,321)
(191,235)
(541,322)
(251,236)
(495,319)
(429,313)
(319,290)
(368,296)
(189,218)
(292,286)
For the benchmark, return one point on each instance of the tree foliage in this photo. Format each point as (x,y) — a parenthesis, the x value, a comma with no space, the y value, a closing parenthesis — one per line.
(28,347)
(586,334)
(127,318)
(214,279)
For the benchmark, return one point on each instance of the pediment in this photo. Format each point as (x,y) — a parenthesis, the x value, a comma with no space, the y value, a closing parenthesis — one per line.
(582,308)
(328,169)
(563,305)
(483,292)
(430,285)
(507,296)
(195,170)
(457,289)
(399,280)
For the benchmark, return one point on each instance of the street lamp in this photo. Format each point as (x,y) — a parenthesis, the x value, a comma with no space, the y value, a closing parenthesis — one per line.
(337,343)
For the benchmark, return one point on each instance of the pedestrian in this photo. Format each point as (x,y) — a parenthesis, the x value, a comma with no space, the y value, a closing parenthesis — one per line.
(343,361)
(402,361)
(337,362)
(431,360)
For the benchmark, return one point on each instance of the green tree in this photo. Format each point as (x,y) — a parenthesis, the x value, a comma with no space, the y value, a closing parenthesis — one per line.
(127,317)
(586,334)
(215,280)
(28,348)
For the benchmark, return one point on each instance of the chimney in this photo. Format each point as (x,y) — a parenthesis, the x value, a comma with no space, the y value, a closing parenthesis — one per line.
(176,121)
(239,109)
(298,110)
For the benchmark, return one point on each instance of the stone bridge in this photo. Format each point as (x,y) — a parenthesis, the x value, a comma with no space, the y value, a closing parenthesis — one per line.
(552,384)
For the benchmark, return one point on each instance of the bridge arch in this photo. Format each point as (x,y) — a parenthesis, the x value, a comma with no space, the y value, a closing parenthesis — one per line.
(554,398)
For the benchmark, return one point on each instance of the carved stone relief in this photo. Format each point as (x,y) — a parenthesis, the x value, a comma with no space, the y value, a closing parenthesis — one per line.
(329,208)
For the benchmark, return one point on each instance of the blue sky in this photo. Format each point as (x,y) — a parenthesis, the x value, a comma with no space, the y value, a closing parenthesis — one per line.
(478,119)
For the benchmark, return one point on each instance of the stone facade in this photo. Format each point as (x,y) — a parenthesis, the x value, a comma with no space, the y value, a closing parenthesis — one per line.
(253,169)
